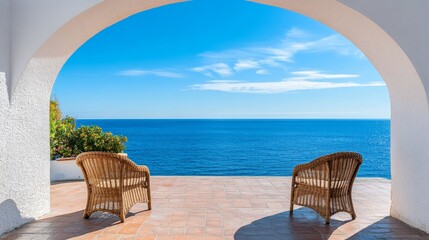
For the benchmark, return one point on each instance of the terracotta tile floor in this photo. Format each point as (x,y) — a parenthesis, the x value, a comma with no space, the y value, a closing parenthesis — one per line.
(219,208)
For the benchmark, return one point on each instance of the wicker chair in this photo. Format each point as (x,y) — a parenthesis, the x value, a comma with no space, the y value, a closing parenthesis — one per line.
(325,184)
(114,183)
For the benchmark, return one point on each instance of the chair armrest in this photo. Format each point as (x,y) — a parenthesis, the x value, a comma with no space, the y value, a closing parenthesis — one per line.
(142,168)
(134,167)
(136,175)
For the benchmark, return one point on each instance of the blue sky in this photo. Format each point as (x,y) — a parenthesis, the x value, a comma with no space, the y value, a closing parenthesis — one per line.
(220,59)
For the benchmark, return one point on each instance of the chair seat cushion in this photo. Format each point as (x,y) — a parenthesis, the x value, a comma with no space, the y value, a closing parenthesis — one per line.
(114,183)
(320,182)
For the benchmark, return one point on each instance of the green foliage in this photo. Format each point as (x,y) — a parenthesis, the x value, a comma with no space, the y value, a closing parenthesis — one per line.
(55,112)
(92,138)
(61,131)
(67,141)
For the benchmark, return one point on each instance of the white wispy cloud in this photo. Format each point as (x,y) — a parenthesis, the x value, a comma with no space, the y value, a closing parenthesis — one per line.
(296,33)
(262,72)
(220,69)
(302,80)
(296,41)
(285,52)
(278,87)
(246,64)
(334,43)
(311,75)
(159,73)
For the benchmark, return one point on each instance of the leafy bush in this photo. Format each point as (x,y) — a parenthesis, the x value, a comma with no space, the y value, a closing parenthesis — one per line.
(61,132)
(67,141)
(92,138)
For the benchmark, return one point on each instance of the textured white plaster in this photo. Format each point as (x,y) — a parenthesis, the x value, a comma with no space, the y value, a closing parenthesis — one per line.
(24,165)
(46,32)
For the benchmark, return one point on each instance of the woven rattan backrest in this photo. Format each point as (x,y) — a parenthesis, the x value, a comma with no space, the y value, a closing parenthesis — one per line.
(343,168)
(102,169)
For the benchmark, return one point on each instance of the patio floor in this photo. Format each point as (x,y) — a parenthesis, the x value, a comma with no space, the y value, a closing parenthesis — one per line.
(219,208)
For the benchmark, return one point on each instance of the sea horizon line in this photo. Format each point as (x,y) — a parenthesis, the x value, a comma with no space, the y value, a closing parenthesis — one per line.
(233,119)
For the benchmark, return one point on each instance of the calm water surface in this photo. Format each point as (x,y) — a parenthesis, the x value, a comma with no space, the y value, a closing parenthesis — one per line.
(249,147)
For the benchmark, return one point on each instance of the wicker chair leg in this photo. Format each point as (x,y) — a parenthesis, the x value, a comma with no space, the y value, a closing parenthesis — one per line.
(291,200)
(292,195)
(122,216)
(149,196)
(328,209)
(327,219)
(352,212)
(86,213)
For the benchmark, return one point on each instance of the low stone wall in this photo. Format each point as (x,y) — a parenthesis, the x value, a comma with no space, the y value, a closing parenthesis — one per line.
(65,169)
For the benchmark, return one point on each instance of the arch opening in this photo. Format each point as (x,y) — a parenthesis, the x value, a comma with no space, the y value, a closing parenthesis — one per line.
(277,92)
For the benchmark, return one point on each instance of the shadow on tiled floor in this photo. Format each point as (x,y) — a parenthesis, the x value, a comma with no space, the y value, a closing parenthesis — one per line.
(303,224)
(389,228)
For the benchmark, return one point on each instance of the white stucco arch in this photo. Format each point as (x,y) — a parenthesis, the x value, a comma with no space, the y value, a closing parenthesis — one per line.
(42,35)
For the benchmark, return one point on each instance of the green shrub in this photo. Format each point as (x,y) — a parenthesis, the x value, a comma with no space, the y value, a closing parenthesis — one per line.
(67,141)
(92,138)
(61,132)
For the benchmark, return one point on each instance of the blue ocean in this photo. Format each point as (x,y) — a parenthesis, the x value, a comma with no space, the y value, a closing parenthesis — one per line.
(249,147)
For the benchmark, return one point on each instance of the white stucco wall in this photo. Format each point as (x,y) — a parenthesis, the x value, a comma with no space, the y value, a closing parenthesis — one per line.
(39,36)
